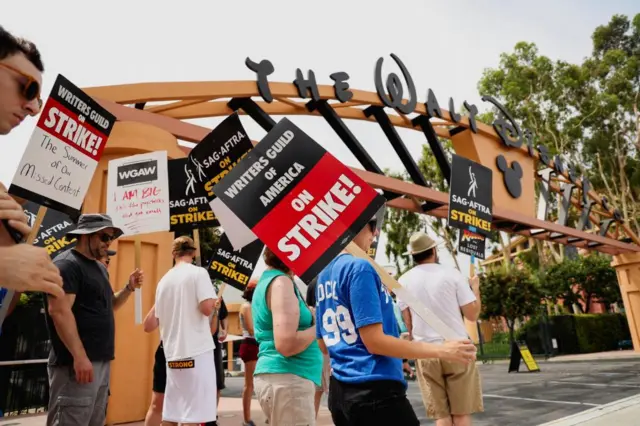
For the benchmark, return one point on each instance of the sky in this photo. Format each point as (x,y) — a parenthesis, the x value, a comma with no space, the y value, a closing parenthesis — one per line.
(445,45)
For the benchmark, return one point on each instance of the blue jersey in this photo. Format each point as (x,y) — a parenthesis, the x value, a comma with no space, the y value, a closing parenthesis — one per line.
(350,295)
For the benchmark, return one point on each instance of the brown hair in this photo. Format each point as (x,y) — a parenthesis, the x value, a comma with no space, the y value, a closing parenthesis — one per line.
(183,246)
(274,261)
(11,45)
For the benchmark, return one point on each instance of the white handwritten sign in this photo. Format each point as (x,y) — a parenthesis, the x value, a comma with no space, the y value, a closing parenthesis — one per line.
(63,152)
(138,193)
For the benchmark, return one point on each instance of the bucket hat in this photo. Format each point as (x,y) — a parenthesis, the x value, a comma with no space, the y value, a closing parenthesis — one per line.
(92,223)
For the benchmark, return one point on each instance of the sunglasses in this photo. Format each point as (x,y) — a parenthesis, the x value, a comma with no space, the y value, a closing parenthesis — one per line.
(373,224)
(30,88)
(106,238)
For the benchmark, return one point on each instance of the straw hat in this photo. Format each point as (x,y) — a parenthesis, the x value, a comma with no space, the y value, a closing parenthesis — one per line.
(420,242)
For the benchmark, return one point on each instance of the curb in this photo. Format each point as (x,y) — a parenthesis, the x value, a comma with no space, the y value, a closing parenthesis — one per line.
(596,412)
(606,359)
(556,360)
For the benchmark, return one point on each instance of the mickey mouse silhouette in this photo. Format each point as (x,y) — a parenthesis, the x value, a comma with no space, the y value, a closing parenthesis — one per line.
(512,175)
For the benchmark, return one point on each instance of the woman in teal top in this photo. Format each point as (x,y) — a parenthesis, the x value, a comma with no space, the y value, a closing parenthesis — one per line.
(289,363)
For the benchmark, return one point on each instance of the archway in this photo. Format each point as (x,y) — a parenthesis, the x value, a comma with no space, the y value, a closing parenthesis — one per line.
(599,227)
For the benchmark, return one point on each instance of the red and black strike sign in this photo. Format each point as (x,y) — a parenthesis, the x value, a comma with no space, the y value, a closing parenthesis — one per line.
(298,199)
(58,164)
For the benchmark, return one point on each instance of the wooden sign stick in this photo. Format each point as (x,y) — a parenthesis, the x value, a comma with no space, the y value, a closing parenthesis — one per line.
(222,287)
(8,297)
(196,241)
(138,292)
(389,282)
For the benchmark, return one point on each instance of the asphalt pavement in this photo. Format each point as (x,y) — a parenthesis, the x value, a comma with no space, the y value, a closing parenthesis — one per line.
(530,399)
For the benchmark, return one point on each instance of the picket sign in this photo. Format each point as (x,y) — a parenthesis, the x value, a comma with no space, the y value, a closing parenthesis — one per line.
(8,297)
(429,317)
(138,201)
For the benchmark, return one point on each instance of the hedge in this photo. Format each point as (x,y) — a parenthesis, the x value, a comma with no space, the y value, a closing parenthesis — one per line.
(584,333)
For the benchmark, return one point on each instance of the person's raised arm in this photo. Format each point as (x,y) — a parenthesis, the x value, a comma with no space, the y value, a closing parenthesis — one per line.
(466,293)
(29,268)
(365,300)
(286,315)
(151,321)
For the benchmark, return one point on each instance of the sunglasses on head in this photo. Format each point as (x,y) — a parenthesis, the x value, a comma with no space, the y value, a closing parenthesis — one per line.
(30,88)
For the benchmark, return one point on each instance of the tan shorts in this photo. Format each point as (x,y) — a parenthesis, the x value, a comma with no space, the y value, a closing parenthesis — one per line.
(286,399)
(449,388)
(326,374)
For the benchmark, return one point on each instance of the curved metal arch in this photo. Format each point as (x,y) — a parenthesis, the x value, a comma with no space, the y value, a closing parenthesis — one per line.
(174,102)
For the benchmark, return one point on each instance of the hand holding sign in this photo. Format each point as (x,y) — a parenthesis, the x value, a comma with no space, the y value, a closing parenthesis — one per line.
(13,213)
(24,267)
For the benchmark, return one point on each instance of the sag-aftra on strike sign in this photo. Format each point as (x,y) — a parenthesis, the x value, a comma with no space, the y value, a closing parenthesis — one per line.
(297,198)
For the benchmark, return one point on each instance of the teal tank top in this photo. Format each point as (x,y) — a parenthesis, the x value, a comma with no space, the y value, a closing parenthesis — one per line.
(308,363)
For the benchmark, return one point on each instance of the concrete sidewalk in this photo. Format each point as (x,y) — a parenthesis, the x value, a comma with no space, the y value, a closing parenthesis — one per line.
(230,414)
(623,412)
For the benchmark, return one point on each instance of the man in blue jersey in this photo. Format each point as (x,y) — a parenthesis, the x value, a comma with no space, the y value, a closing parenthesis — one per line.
(358,328)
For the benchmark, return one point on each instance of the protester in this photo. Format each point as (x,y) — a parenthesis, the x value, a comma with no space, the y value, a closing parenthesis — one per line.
(248,352)
(154,413)
(21,71)
(184,302)
(22,267)
(360,332)
(451,392)
(81,326)
(218,321)
(219,328)
(289,361)
(326,362)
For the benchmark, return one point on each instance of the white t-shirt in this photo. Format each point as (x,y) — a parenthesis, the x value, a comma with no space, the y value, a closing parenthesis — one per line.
(184,331)
(443,291)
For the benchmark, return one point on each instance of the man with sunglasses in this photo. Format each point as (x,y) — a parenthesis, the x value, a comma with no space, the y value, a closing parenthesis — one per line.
(21,71)
(22,267)
(81,326)
(357,327)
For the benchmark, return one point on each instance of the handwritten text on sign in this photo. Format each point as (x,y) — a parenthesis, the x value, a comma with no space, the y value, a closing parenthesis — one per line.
(138,195)
(63,151)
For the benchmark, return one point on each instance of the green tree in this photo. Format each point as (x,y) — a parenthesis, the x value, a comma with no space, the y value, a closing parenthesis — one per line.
(598,280)
(509,293)
(399,225)
(588,112)
(581,281)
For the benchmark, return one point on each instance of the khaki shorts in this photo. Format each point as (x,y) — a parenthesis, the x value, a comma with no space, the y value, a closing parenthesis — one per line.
(286,399)
(326,374)
(449,388)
